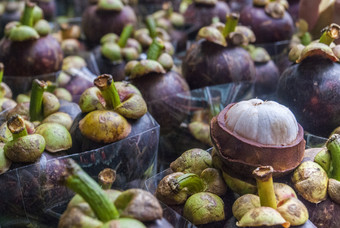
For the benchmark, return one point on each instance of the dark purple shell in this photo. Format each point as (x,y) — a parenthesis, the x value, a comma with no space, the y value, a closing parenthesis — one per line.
(266,79)
(96,23)
(29,58)
(311,90)
(199,15)
(160,91)
(207,64)
(266,28)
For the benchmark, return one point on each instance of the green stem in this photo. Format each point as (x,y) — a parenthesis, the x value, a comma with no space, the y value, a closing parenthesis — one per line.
(151,25)
(38,89)
(231,23)
(330,33)
(27,17)
(265,186)
(191,181)
(106,178)
(124,36)
(80,182)
(333,145)
(1,71)
(155,49)
(107,86)
(16,125)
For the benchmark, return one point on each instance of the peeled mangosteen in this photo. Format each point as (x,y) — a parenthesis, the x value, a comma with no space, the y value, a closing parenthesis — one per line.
(251,133)
(269,20)
(28,50)
(201,12)
(106,16)
(310,88)
(217,58)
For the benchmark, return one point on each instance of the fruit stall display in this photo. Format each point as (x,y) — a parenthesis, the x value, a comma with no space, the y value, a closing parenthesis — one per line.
(204,113)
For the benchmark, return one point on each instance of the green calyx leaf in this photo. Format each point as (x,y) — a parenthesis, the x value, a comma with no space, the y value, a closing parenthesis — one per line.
(145,67)
(42,27)
(213,35)
(23,33)
(111,51)
(110,5)
(110,37)
(37,14)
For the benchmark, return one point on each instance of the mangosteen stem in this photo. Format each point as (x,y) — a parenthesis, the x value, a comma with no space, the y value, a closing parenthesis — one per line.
(106,178)
(265,187)
(80,182)
(333,145)
(106,85)
(2,67)
(231,23)
(125,35)
(27,17)
(38,89)
(151,25)
(155,49)
(191,181)
(16,125)
(330,33)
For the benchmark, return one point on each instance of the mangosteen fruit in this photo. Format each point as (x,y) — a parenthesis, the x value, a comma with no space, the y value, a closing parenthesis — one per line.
(310,87)
(107,16)
(201,12)
(106,102)
(272,207)
(267,74)
(217,58)
(93,206)
(49,8)
(174,24)
(269,20)
(113,53)
(251,133)
(160,85)
(31,47)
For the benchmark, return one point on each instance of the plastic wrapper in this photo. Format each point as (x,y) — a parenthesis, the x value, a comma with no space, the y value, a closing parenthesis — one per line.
(22,84)
(29,193)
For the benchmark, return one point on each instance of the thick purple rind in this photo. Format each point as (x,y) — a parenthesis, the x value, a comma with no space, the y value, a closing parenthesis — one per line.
(266,28)
(207,64)
(311,90)
(96,23)
(243,155)
(29,58)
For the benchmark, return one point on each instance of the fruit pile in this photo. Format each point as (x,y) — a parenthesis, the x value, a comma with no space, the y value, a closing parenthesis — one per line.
(129,85)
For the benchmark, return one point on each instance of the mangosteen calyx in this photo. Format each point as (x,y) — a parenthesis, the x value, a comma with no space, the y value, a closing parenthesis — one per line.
(110,5)
(322,48)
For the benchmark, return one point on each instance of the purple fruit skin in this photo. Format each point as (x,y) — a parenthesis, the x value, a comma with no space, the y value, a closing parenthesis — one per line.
(207,64)
(311,90)
(96,23)
(28,58)
(266,28)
